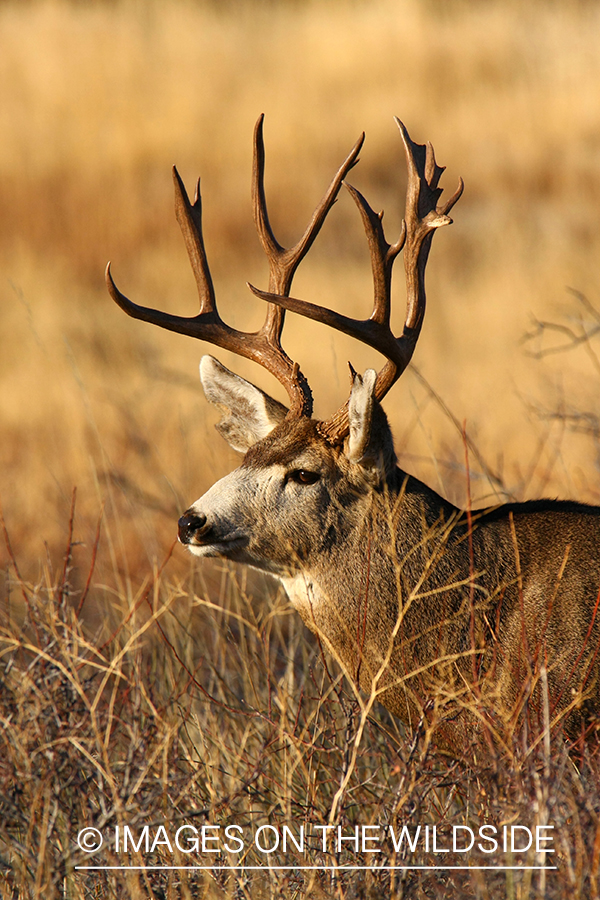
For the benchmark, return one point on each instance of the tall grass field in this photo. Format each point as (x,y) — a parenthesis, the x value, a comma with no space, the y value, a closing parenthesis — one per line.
(178,710)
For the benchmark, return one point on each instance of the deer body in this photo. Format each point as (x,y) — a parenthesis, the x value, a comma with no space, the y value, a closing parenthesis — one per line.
(415,598)
(433,610)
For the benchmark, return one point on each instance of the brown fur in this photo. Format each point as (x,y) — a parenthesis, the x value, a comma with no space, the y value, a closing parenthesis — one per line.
(446,616)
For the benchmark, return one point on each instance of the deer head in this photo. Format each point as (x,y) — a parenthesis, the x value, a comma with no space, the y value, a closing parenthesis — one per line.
(356,437)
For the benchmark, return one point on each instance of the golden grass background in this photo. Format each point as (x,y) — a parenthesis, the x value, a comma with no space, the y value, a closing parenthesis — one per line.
(127,693)
(97,100)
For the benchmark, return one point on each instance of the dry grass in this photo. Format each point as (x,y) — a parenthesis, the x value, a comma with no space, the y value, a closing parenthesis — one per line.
(96,102)
(191,708)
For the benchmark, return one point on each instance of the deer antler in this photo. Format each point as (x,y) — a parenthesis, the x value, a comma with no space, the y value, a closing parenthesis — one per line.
(422,217)
(263,346)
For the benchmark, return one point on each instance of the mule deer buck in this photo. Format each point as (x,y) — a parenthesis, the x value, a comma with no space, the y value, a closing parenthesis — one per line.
(440,611)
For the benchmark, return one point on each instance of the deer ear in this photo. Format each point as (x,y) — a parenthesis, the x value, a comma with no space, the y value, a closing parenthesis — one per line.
(369,443)
(248,413)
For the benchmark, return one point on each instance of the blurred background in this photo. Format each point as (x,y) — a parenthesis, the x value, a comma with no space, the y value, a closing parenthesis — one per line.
(99,99)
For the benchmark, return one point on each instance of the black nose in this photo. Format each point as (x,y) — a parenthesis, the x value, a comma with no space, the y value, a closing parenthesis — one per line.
(189,524)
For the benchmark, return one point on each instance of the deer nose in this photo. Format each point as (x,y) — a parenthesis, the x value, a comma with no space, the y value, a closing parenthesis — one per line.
(189,524)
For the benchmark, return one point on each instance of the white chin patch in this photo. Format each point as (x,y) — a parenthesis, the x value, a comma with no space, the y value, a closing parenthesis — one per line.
(204,549)
(227,549)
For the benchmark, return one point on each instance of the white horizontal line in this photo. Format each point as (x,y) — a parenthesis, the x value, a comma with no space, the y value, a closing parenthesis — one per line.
(340,868)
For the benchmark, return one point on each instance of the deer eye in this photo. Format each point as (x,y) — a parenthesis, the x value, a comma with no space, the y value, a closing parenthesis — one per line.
(302,476)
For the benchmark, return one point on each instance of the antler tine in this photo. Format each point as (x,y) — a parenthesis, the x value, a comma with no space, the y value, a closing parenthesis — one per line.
(263,346)
(383,256)
(207,325)
(374,331)
(189,218)
(284,262)
(422,217)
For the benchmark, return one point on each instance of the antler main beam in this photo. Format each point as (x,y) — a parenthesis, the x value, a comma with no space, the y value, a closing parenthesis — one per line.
(263,346)
(422,217)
